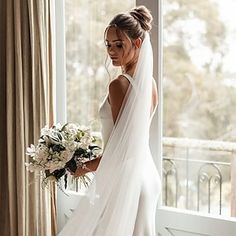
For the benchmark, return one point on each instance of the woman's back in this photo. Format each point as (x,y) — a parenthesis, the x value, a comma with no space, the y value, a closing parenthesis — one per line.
(105,110)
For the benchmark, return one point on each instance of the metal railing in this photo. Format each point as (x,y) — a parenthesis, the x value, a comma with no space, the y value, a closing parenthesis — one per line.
(196,174)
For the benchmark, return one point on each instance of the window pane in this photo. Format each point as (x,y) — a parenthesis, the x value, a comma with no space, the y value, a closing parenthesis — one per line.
(199,103)
(87,78)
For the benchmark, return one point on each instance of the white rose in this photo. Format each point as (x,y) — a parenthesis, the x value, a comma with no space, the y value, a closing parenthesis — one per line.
(31,150)
(45,130)
(58,126)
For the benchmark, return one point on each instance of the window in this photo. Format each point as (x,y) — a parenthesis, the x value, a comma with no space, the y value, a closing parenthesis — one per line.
(87,77)
(199,89)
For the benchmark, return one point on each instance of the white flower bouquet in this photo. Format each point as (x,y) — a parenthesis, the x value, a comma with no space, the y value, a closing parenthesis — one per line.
(60,150)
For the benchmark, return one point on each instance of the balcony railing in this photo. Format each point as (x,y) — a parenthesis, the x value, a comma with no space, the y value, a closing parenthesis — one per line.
(197,174)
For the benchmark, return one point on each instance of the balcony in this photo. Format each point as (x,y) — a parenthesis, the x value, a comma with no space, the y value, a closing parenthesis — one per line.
(198,175)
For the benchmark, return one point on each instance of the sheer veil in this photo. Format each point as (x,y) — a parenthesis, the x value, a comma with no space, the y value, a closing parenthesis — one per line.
(115,189)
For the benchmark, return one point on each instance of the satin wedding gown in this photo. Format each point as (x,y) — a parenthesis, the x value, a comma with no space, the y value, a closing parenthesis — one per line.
(150,185)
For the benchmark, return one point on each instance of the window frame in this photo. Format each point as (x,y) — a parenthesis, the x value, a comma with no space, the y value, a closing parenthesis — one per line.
(60,57)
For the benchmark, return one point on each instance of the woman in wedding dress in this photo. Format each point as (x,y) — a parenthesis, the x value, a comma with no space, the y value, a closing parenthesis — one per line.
(122,198)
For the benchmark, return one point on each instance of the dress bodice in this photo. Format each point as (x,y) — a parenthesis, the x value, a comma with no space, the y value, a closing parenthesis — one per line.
(106,120)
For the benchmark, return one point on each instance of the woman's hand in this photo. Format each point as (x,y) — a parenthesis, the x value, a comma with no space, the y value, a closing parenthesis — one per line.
(80,172)
(88,166)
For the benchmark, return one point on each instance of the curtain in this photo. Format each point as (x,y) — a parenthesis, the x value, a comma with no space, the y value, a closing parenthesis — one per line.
(26,101)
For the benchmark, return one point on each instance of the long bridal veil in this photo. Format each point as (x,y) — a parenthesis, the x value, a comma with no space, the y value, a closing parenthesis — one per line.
(111,203)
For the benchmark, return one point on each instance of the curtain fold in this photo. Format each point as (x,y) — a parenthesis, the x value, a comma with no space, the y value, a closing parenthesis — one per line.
(26,91)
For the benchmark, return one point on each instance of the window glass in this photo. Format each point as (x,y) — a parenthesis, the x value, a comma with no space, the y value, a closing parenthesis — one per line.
(199,103)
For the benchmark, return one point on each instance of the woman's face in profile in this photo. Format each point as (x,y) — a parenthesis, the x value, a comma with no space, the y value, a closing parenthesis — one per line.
(119,47)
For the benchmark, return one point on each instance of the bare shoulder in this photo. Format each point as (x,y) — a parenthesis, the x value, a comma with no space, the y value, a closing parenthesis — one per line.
(118,87)
(117,90)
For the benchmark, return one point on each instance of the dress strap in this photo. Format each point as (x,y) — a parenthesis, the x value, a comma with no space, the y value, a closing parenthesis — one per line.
(131,80)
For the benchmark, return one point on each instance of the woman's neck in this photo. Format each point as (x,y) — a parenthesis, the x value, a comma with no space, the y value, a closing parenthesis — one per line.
(131,73)
(129,69)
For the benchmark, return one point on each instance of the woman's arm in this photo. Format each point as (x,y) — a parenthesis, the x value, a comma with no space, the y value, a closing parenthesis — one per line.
(117,90)
(90,166)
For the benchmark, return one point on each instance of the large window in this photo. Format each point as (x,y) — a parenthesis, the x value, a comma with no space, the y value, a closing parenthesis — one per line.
(199,90)
(86,68)
(199,104)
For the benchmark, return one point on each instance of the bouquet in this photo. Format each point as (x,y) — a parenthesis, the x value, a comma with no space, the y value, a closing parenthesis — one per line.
(60,150)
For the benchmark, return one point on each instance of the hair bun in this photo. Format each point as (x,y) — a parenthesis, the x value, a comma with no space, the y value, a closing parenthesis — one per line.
(143,16)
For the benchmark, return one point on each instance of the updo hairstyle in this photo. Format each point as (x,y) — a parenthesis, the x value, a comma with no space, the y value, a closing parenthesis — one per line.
(134,23)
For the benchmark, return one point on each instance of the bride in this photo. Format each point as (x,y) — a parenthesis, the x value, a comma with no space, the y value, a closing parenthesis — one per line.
(122,198)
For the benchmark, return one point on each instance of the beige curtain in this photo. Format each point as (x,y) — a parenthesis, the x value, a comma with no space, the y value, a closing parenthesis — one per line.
(26,102)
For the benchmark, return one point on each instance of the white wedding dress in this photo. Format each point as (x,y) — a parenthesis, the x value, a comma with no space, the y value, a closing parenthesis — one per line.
(150,181)
(122,198)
